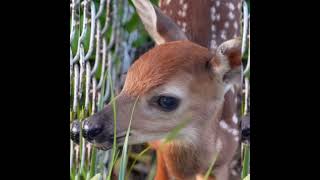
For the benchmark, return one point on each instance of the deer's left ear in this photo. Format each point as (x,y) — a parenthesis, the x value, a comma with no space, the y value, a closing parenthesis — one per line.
(227,61)
(158,25)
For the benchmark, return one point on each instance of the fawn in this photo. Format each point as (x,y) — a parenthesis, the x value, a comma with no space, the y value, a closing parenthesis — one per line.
(192,73)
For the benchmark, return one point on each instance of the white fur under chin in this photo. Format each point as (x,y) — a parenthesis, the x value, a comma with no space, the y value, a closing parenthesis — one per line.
(228,87)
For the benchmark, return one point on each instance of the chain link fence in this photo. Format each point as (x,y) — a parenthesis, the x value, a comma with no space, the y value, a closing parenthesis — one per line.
(100,49)
(245,124)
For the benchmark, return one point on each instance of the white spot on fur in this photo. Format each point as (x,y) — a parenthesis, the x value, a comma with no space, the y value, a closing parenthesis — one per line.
(185,6)
(235,118)
(223,124)
(218,3)
(86,127)
(213,28)
(213,13)
(181,2)
(223,35)
(168,2)
(239,5)
(183,14)
(231,6)
(236,139)
(226,25)
(213,10)
(231,15)
(235,132)
(184,25)
(213,17)
(218,17)
(213,36)
(213,44)
(170,12)
(179,23)
(233,172)
(235,25)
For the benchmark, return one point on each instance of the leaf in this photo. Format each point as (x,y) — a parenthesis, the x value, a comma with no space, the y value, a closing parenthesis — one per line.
(132,24)
(142,39)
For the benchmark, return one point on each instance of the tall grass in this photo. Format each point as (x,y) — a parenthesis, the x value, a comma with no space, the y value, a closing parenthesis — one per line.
(114,146)
(135,160)
(245,162)
(209,171)
(124,156)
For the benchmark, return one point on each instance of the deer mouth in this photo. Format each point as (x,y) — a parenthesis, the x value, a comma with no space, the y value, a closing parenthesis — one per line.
(103,146)
(107,144)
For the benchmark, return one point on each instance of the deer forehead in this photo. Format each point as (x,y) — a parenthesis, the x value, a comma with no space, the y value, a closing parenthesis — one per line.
(164,62)
(176,86)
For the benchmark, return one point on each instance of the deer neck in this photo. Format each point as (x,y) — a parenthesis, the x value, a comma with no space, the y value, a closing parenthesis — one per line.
(185,159)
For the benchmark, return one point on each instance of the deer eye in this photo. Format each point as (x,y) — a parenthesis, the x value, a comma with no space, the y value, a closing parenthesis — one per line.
(167,103)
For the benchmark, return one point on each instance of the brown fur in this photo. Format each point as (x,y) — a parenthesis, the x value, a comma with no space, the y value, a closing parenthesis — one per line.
(143,76)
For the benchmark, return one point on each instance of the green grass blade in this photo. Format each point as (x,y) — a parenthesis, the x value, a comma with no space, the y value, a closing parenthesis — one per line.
(96,177)
(135,160)
(124,156)
(152,173)
(94,151)
(71,156)
(111,164)
(114,145)
(247,177)
(82,149)
(174,132)
(93,162)
(246,160)
(211,166)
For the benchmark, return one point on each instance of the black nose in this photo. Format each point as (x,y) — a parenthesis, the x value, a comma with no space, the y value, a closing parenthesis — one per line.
(91,130)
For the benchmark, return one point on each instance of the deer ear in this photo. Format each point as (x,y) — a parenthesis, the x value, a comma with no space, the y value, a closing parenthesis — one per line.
(227,61)
(159,26)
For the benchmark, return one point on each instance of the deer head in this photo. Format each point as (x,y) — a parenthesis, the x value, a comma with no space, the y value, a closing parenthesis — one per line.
(174,81)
